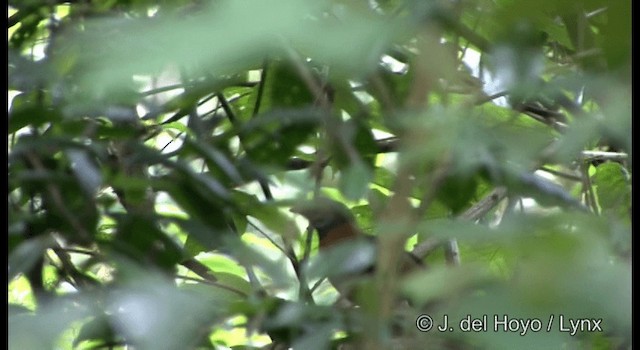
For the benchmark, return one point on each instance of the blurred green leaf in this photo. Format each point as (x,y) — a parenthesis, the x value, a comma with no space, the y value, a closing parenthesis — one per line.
(97,328)
(140,239)
(40,330)
(86,171)
(15,309)
(222,45)
(217,161)
(424,287)
(347,259)
(183,319)
(30,18)
(355,180)
(27,254)
(143,133)
(615,43)
(284,88)
(273,219)
(26,112)
(613,188)
(271,138)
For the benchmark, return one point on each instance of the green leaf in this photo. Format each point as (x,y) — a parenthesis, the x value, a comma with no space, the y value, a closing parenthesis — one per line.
(348,259)
(161,315)
(202,237)
(355,180)
(284,88)
(17,309)
(274,219)
(615,34)
(218,162)
(221,263)
(456,191)
(140,239)
(398,85)
(97,328)
(219,44)
(354,135)
(42,329)
(24,257)
(25,111)
(613,188)
(424,287)
(86,171)
(272,137)
(28,29)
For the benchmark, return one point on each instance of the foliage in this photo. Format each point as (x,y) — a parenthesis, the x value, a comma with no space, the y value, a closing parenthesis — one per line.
(155,147)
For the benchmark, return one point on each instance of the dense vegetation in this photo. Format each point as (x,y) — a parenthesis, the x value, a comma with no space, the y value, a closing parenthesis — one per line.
(155,147)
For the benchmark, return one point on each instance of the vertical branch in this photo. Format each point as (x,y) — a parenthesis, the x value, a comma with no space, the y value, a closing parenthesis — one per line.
(395,223)
(263,79)
(264,185)
(399,218)
(451,249)
(304,292)
(588,188)
(234,120)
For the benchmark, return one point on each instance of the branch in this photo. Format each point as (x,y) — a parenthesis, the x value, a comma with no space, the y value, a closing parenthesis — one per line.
(213,283)
(263,78)
(472,214)
(561,174)
(199,269)
(588,188)
(392,144)
(485,205)
(58,201)
(264,185)
(590,156)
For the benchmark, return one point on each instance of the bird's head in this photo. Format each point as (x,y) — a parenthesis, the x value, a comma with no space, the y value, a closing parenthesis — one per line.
(324,214)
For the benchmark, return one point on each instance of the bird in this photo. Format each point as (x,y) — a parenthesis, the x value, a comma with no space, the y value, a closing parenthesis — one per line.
(332,220)
(336,226)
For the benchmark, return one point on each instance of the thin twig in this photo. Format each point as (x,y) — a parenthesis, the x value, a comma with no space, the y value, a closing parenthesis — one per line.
(280,248)
(199,269)
(304,288)
(307,245)
(333,123)
(212,283)
(385,96)
(66,271)
(261,84)
(253,280)
(588,188)
(80,251)
(290,254)
(317,284)
(56,196)
(472,214)
(312,84)
(163,89)
(558,126)
(438,177)
(485,205)
(264,185)
(452,252)
(561,174)
(484,99)
(590,156)
(226,107)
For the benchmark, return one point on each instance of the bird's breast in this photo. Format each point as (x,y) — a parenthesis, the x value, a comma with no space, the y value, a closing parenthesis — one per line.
(337,234)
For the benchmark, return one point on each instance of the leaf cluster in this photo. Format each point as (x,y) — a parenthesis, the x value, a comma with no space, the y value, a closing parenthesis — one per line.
(155,147)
